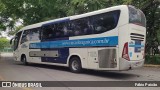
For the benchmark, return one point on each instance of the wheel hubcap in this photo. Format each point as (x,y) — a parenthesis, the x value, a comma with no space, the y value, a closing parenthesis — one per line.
(24,60)
(75,65)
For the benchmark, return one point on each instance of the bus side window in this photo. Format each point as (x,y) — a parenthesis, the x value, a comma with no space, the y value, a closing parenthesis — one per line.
(25,37)
(68,29)
(65,31)
(78,29)
(85,26)
(34,34)
(105,22)
(59,30)
(97,22)
(82,26)
(48,32)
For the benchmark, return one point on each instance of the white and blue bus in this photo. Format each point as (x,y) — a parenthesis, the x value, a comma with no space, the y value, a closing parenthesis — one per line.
(106,39)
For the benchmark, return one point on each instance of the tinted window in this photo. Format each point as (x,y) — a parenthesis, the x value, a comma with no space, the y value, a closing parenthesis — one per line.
(105,22)
(47,32)
(136,16)
(31,35)
(16,40)
(61,30)
(84,26)
(34,34)
(25,37)
(58,30)
(96,24)
(53,31)
(68,29)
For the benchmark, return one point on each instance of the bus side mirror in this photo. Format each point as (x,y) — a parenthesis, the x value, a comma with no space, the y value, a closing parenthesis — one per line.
(11,41)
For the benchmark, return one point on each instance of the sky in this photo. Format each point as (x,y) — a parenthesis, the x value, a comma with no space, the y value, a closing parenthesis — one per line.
(5,33)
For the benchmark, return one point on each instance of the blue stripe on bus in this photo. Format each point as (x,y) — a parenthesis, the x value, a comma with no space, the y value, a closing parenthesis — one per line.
(90,42)
(58,21)
(136,45)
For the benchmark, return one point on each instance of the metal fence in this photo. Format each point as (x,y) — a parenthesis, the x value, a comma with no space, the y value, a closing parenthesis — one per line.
(6,50)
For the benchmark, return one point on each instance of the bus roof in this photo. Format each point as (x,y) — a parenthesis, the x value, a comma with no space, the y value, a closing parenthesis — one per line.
(73,17)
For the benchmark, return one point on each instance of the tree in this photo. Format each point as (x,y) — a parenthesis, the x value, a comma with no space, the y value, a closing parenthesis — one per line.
(2,26)
(4,43)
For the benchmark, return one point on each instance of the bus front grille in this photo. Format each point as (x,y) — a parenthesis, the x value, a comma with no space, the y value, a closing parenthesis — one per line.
(107,58)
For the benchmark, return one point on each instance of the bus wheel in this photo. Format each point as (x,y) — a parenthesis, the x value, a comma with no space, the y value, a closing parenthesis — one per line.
(24,60)
(75,65)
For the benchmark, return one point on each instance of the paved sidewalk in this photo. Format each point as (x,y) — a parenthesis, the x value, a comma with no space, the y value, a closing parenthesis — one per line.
(151,65)
(6,54)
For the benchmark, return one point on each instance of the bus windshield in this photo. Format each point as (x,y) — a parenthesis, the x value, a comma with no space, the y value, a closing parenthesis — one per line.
(16,40)
(136,16)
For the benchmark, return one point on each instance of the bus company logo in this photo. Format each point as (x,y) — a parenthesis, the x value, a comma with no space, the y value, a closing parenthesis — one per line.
(6,84)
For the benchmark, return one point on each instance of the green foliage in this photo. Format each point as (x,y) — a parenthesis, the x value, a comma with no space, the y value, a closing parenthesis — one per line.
(4,43)
(152,59)
(152,12)
(2,27)
(16,30)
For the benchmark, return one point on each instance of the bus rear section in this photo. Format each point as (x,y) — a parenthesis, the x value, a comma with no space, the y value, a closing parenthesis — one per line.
(132,40)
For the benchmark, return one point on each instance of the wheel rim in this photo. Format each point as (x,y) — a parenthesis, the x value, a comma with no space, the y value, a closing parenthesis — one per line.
(24,60)
(75,65)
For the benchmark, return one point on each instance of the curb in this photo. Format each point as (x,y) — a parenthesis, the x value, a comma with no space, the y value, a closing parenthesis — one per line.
(151,65)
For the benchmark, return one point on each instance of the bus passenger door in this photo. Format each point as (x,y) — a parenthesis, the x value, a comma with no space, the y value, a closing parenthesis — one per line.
(92,58)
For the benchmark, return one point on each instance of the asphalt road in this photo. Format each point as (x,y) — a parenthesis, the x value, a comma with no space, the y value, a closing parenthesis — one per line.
(16,71)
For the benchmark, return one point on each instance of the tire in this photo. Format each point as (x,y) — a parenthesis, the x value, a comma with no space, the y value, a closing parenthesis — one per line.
(75,65)
(24,60)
